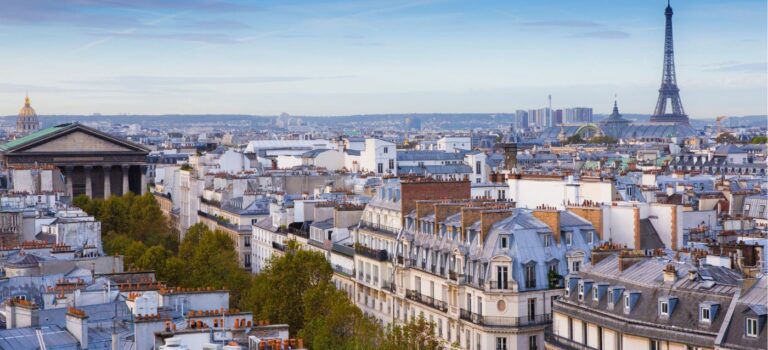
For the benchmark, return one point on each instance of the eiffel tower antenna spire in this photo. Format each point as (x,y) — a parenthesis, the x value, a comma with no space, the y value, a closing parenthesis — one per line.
(669,93)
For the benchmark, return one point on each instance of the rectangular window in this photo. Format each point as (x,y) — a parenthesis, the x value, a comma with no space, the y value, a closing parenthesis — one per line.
(503,242)
(654,345)
(704,314)
(664,308)
(752,327)
(532,345)
(391,164)
(531,309)
(386,149)
(530,276)
(595,294)
(568,238)
(501,277)
(626,301)
(501,343)
(380,168)
(576,266)
(547,240)
(478,167)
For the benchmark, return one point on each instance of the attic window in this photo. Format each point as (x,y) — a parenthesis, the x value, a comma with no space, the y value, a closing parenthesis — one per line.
(704,314)
(752,327)
(503,242)
(569,238)
(595,294)
(664,308)
(546,239)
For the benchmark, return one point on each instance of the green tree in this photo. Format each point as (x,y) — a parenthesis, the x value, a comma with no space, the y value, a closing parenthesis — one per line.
(603,140)
(133,252)
(331,321)
(276,290)
(759,139)
(417,333)
(574,139)
(726,137)
(154,259)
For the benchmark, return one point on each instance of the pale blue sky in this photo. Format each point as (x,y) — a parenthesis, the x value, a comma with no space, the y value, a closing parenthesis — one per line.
(345,57)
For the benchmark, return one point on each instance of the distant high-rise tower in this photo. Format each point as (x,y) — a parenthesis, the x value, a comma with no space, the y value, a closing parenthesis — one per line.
(27,121)
(668,92)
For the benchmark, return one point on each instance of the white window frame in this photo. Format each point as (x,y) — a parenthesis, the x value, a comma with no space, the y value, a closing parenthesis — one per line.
(752,325)
(595,294)
(664,305)
(705,309)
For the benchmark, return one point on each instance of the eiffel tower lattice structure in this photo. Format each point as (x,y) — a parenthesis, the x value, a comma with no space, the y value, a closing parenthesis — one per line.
(669,93)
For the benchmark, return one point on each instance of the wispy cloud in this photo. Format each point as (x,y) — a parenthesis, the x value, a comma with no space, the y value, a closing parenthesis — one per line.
(562,23)
(602,34)
(732,66)
(192,80)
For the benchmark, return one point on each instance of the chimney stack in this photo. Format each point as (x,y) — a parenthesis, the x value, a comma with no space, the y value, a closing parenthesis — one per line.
(670,273)
(77,325)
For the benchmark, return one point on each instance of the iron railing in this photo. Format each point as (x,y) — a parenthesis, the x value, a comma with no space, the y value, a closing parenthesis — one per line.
(426,300)
(379,227)
(560,342)
(278,246)
(376,254)
(503,321)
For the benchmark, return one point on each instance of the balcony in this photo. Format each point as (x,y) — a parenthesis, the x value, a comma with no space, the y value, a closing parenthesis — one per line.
(452,275)
(499,285)
(554,341)
(470,316)
(379,227)
(298,232)
(343,271)
(426,300)
(500,321)
(389,286)
(376,254)
(278,246)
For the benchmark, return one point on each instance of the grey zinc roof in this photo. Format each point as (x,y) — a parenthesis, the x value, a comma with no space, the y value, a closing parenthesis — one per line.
(428,155)
(435,169)
(55,337)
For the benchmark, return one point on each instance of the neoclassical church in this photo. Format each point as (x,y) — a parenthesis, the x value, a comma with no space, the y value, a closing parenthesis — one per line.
(90,162)
(27,121)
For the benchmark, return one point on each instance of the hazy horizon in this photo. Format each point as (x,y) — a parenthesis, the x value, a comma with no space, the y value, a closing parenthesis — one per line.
(152,57)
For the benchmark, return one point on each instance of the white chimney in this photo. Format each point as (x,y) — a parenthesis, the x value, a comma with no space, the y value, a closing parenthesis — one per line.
(77,325)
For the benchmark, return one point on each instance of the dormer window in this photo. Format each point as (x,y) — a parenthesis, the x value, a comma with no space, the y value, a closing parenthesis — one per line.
(595,294)
(503,242)
(569,238)
(752,327)
(664,308)
(581,291)
(707,311)
(626,301)
(546,240)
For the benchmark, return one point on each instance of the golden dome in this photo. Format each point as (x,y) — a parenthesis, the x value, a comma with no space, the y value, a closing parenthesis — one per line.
(27,110)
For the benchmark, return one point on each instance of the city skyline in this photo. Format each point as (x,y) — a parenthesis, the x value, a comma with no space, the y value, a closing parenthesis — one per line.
(222,57)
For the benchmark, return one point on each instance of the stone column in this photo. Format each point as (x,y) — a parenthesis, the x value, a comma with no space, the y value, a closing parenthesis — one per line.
(88,182)
(143,170)
(107,181)
(125,179)
(68,178)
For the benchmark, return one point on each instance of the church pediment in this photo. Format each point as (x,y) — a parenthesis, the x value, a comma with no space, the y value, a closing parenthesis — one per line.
(70,139)
(77,141)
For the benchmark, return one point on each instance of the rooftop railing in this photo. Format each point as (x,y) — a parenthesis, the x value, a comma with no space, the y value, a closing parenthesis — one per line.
(379,227)
(376,254)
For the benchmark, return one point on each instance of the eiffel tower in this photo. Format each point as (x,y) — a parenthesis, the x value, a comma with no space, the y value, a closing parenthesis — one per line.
(669,92)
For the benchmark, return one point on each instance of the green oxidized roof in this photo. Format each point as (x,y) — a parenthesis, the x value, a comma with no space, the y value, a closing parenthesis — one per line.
(32,137)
